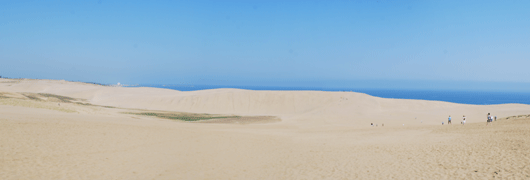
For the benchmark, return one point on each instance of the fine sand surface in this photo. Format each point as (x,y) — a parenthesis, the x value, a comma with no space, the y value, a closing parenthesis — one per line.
(67,130)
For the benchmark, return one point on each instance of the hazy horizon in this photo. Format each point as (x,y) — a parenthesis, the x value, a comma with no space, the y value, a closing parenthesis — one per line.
(338,85)
(472,45)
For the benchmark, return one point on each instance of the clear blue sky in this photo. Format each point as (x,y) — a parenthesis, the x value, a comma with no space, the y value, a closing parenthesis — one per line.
(302,43)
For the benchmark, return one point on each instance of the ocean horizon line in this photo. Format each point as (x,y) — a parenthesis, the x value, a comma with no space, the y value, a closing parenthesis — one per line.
(454,96)
(461,96)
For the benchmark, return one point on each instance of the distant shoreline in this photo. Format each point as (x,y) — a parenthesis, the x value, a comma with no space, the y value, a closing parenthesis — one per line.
(454,96)
(94,83)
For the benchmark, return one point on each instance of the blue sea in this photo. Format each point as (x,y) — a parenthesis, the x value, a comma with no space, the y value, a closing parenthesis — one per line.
(463,97)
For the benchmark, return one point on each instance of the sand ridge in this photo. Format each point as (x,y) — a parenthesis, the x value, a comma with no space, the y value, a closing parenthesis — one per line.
(324,136)
(299,108)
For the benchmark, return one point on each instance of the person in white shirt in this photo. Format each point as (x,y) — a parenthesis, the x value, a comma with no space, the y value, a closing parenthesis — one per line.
(464,120)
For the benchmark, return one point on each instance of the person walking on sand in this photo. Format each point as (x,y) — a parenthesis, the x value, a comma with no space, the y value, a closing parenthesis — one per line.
(464,120)
(449,120)
(489,119)
(495,118)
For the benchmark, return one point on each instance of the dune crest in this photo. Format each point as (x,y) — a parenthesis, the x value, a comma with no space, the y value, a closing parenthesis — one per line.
(312,107)
(67,130)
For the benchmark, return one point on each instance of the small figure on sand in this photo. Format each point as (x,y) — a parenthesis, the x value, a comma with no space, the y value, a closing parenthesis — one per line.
(449,120)
(372,124)
(495,118)
(489,119)
(464,120)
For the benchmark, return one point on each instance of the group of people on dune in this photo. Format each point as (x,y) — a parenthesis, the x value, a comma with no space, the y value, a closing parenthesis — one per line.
(490,119)
(372,124)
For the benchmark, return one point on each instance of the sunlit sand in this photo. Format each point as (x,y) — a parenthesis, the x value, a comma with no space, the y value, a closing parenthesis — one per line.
(69,130)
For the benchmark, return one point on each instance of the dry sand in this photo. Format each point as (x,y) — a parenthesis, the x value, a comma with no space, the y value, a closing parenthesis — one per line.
(321,135)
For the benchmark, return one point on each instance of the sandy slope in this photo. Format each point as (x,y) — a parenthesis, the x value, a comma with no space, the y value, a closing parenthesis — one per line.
(300,108)
(322,135)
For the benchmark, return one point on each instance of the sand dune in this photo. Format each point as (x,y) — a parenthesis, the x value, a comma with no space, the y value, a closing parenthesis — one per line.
(321,135)
(308,107)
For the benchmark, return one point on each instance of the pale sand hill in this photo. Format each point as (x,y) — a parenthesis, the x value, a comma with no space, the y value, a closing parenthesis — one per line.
(299,108)
(322,135)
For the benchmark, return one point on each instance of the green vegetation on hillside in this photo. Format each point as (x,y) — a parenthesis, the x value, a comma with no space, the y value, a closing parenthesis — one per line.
(183,116)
